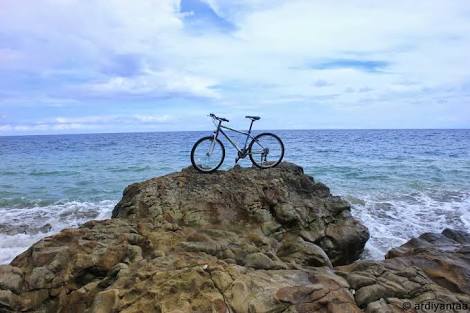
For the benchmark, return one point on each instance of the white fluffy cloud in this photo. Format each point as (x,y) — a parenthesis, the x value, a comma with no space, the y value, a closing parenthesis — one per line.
(85,123)
(156,83)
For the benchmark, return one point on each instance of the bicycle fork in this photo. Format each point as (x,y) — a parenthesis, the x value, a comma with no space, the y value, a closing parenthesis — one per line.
(211,147)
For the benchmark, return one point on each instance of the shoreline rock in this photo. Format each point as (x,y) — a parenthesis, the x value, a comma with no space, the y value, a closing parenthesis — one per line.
(445,258)
(279,202)
(243,240)
(431,269)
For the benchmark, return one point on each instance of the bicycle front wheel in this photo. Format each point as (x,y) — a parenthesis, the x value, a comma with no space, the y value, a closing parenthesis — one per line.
(207,154)
(266,150)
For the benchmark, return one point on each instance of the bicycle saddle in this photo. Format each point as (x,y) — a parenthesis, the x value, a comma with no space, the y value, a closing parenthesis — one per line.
(254,118)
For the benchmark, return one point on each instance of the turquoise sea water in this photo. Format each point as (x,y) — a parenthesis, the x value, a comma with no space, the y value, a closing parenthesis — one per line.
(401,182)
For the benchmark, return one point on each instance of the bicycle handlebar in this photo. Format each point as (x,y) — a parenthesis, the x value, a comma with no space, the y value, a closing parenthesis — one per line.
(218,118)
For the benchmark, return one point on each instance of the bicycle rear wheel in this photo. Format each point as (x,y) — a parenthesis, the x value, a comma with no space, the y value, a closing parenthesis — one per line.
(207,155)
(266,150)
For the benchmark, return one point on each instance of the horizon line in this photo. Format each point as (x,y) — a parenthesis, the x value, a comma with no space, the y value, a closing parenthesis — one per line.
(187,131)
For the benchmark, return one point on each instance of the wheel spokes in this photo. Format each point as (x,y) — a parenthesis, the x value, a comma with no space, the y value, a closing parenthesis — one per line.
(208,154)
(268,150)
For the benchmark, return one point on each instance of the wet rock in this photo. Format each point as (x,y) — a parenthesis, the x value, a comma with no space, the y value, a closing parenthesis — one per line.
(11,278)
(106,301)
(432,268)
(298,251)
(343,240)
(259,260)
(444,257)
(45,228)
(11,229)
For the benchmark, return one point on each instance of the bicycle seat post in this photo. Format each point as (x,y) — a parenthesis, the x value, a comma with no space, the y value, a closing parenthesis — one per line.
(251,125)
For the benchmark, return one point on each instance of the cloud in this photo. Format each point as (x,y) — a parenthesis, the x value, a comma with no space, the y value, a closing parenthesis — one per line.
(152,118)
(125,65)
(156,83)
(83,119)
(86,123)
(40,127)
(65,57)
(321,83)
(110,119)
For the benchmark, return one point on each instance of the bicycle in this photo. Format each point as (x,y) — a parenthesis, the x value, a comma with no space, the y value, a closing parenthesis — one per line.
(265,150)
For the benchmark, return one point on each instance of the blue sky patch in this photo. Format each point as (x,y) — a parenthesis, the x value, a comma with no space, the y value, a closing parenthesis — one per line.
(360,65)
(124,65)
(199,16)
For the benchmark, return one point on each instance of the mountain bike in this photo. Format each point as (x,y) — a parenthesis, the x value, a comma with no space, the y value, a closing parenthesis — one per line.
(265,150)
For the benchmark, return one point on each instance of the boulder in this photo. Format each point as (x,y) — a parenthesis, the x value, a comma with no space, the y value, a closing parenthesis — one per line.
(445,258)
(278,201)
(432,269)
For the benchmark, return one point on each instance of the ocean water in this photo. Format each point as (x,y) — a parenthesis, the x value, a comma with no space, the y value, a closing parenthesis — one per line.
(401,183)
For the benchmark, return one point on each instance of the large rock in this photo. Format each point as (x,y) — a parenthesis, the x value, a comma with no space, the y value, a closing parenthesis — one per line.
(387,286)
(135,266)
(278,202)
(444,257)
(242,241)
(427,272)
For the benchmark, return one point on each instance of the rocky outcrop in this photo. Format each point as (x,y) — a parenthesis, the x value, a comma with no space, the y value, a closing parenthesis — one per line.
(280,207)
(115,265)
(244,240)
(445,258)
(432,270)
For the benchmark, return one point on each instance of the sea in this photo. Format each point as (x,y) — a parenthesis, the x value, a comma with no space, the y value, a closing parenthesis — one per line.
(400,183)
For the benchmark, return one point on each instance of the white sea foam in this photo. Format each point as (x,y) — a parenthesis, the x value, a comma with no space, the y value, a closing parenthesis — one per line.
(20,228)
(394,219)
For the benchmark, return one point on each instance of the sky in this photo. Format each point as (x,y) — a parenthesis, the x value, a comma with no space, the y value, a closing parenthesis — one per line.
(81,66)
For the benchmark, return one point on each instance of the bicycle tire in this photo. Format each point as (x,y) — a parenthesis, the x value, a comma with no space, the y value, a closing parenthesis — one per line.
(193,162)
(270,165)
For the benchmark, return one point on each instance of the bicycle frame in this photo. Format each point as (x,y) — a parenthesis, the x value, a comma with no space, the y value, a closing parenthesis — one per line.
(242,153)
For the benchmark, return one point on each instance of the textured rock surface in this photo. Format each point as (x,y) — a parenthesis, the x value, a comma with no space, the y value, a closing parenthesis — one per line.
(115,266)
(433,268)
(444,257)
(276,202)
(231,242)
(387,287)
